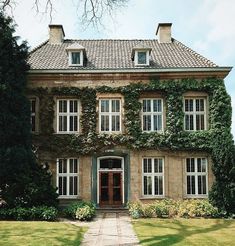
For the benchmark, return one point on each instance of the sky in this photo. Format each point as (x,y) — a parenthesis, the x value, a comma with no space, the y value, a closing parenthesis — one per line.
(206,26)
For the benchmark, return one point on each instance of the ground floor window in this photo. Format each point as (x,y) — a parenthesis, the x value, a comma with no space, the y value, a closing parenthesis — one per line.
(67,177)
(153,177)
(196,175)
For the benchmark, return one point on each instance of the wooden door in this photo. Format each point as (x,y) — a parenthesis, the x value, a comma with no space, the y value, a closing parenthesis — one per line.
(110,188)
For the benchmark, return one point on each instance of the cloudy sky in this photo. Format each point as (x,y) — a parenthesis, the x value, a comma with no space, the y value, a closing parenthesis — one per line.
(207,26)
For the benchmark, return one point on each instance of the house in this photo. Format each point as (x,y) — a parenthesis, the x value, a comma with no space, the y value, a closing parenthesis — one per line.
(121,120)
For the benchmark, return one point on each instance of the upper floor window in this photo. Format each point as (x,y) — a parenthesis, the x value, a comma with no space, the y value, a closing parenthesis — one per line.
(141,54)
(33,114)
(152,114)
(196,173)
(67,115)
(142,57)
(110,115)
(76,58)
(76,54)
(67,177)
(194,114)
(153,177)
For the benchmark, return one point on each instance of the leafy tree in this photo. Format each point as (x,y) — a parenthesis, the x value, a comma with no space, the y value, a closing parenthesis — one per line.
(22,181)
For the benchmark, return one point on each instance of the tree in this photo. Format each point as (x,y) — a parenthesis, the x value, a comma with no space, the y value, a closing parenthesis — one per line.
(92,10)
(22,181)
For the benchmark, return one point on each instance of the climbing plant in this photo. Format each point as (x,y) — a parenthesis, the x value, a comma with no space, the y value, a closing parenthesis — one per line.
(217,140)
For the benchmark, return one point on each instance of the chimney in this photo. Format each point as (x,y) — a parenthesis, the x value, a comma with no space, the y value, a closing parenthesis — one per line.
(56,34)
(164,32)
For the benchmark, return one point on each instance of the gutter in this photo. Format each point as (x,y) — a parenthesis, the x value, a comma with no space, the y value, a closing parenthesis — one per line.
(131,70)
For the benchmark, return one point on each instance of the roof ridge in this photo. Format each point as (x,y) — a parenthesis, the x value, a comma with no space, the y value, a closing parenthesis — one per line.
(38,46)
(203,58)
(110,39)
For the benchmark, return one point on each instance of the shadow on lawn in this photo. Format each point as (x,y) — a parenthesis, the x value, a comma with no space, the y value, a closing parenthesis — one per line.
(183,231)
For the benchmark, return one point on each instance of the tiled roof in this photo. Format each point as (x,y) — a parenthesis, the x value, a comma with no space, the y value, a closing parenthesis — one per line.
(116,54)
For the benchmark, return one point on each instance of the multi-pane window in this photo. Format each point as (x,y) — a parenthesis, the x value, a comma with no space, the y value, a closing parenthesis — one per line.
(67,177)
(152,114)
(195,114)
(110,115)
(33,114)
(142,57)
(68,115)
(153,177)
(76,58)
(196,173)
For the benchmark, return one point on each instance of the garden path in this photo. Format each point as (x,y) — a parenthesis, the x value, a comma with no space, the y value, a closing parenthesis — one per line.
(110,229)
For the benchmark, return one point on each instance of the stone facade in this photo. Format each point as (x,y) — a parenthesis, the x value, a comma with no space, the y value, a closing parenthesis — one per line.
(115,174)
(174,161)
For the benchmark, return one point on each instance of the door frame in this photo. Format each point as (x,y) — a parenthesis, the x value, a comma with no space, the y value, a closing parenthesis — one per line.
(111,170)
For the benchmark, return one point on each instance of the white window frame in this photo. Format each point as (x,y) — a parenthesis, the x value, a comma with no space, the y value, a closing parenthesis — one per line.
(33,114)
(68,114)
(110,114)
(153,174)
(67,175)
(81,58)
(147,57)
(196,174)
(152,114)
(194,113)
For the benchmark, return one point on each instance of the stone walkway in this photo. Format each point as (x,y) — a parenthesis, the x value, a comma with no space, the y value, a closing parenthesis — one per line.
(109,229)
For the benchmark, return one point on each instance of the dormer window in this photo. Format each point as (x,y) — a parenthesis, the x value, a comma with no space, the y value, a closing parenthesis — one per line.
(141,55)
(75,59)
(76,54)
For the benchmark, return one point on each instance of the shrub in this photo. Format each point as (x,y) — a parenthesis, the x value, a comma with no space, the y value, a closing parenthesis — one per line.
(173,208)
(72,211)
(34,213)
(85,213)
(135,209)
(148,211)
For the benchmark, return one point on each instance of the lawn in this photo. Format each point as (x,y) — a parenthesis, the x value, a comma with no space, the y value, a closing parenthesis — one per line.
(184,232)
(40,233)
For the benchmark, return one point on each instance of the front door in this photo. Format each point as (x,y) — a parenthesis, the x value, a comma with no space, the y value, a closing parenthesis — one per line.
(110,188)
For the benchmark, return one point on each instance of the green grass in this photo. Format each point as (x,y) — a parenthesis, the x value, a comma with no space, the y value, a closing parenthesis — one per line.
(185,232)
(40,233)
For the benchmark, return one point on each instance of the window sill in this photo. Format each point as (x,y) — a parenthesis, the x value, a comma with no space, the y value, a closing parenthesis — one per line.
(196,197)
(151,197)
(75,65)
(159,132)
(69,133)
(69,197)
(195,130)
(106,132)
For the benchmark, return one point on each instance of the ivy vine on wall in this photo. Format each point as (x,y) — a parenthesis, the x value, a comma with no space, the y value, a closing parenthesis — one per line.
(217,140)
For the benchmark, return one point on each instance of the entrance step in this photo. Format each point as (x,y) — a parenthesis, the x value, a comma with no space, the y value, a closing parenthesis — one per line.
(112,210)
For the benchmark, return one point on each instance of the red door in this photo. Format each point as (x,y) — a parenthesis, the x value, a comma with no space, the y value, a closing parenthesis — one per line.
(110,188)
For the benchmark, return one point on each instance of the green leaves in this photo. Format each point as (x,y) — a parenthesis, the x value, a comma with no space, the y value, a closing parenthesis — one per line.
(217,141)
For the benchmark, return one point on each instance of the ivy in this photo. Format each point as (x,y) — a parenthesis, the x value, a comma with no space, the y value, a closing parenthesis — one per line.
(217,140)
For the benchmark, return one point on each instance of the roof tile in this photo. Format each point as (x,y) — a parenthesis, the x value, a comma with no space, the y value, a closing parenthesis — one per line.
(116,54)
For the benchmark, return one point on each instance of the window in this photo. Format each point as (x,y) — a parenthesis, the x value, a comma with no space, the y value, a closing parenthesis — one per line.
(142,57)
(67,177)
(110,115)
(153,177)
(67,116)
(33,114)
(152,115)
(196,172)
(195,114)
(76,58)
